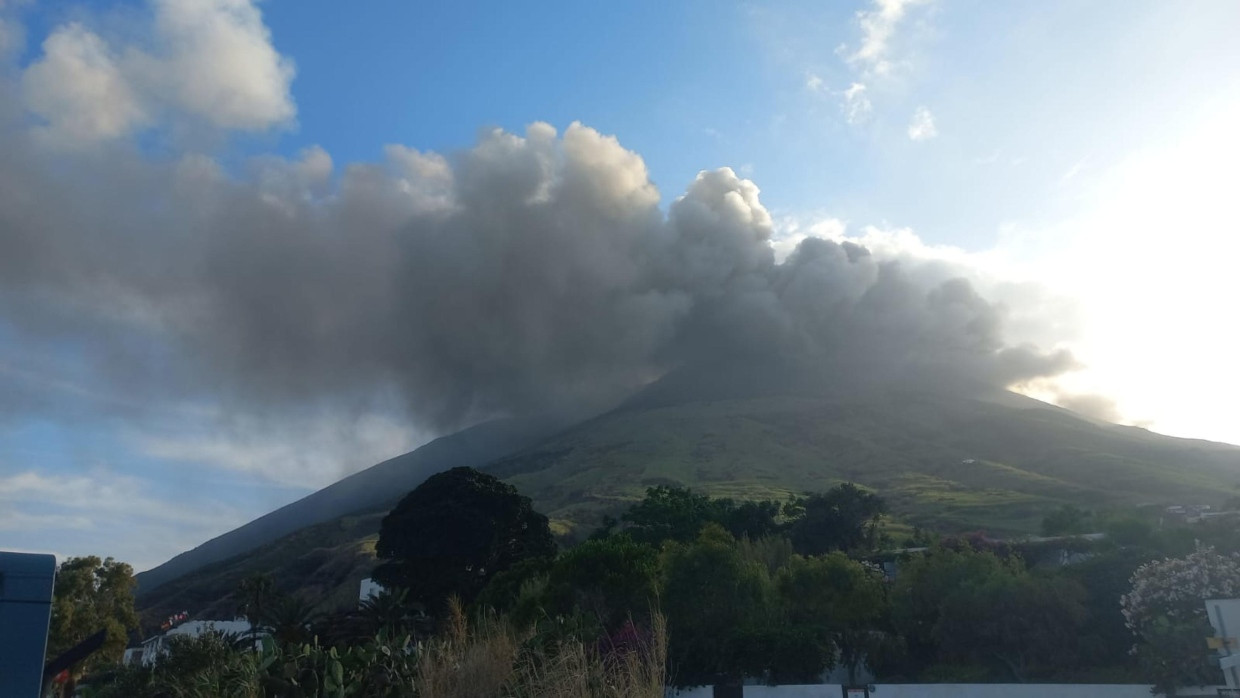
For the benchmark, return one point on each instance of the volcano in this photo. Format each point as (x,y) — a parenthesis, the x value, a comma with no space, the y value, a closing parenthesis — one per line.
(947,457)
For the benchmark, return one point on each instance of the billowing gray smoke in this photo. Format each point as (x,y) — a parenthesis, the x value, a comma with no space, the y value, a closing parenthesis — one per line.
(524,274)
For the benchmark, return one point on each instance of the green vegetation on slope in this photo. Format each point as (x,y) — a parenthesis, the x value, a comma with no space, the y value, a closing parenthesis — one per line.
(947,463)
(944,463)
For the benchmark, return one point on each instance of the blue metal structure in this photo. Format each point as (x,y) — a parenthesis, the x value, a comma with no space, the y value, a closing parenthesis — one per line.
(26,584)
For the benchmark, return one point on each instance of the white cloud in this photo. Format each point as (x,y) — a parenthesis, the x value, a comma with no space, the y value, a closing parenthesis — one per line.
(878,27)
(871,62)
(98,513)
(856,104)
(311,452)
(854,100)
(97,493)
(14,520)
(209,61)
(80,89)
(921,127)
(790,231)
(219,63)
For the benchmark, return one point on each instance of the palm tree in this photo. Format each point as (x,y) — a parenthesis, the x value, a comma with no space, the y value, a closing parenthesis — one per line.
(289,619)
(391,613)
(256,592)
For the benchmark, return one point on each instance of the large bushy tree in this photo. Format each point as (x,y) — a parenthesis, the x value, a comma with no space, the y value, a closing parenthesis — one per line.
(1025,624)
(92,595)
(840,599)
(844,517)
(453,533)
(713,597)
(612,579)
(923,587)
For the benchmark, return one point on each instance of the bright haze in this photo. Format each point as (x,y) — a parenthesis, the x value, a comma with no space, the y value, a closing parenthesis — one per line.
(249,248)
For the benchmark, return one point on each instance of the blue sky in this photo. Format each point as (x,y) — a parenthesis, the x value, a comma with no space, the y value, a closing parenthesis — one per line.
(1080,154)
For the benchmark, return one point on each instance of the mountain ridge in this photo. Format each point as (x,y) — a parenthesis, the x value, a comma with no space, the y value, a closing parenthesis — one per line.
(363,491)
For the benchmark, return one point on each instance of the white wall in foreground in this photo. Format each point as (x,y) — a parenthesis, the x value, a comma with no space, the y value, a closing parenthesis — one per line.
(992,691)
(948,690)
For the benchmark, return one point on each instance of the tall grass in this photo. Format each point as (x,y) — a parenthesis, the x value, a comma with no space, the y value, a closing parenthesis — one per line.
(489,659)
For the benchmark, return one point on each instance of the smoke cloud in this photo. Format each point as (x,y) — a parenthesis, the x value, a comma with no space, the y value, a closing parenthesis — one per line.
(527,273)
(523,274)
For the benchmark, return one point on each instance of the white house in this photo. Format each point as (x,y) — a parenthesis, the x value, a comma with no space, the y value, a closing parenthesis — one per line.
(153,647)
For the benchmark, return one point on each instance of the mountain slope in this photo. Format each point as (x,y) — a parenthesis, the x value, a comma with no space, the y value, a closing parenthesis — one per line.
(949,460)
(998,462)
(373,489)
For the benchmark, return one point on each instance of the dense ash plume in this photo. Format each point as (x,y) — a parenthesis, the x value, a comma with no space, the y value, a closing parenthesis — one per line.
(525,274)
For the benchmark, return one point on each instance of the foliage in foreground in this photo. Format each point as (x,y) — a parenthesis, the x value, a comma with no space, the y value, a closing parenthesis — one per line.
(780,592)
(1165,612)
(489,658)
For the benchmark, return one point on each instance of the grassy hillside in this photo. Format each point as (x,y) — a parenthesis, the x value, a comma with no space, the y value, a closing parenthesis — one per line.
(947,463)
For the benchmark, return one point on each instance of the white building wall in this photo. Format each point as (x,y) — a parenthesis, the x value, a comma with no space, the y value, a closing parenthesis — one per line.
(154,647)
(1002,691)
(369,588)
(948,690)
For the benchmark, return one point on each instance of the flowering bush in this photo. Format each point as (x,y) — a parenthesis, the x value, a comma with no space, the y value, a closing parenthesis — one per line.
(1166,613)
(1176,587)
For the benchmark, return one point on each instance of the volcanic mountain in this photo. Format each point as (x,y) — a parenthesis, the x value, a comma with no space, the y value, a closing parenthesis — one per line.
(948,458)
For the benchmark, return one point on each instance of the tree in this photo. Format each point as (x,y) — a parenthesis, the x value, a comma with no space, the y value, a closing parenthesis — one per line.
(712,598)
(393,615)
(842,518)
(1104,640)
(670,513)
(256,592)
(922,588)
(92,595)
(677,513)
(454,533)
(613,579)
(1029,625)
(289,619)
(753,519)
(838,597)
(1166,613)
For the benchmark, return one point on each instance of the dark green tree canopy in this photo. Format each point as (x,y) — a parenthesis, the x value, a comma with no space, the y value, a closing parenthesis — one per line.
(679,513)
(717,604)
(844,517)
(454,532)
(671,513)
